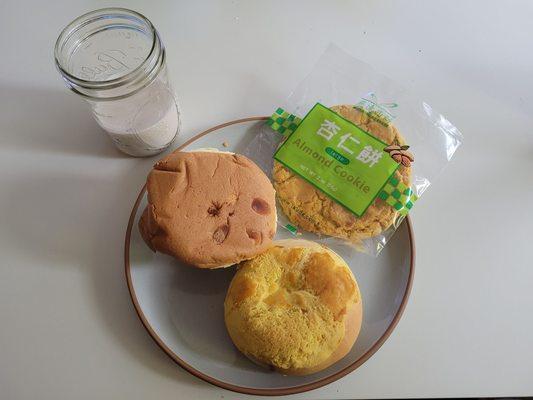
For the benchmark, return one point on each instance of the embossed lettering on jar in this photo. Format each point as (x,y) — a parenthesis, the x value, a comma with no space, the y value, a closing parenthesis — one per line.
(115,59)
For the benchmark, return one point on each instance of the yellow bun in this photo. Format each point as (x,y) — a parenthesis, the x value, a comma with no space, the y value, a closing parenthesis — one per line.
(295,308)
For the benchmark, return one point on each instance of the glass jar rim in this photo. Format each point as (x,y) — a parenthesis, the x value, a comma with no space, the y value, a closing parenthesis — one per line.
(91,17)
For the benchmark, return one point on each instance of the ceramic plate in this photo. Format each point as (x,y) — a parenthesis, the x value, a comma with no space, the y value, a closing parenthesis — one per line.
(182,307)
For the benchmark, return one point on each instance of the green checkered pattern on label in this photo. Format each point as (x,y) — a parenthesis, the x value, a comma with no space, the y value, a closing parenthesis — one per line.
(291,228)
(398,195)
(283,122)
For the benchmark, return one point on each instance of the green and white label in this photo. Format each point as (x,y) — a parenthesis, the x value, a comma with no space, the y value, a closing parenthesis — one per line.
(339,158)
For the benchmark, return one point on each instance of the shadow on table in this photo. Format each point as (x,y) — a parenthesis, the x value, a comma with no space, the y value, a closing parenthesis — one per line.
(51,121)
(64,222)
(72,217)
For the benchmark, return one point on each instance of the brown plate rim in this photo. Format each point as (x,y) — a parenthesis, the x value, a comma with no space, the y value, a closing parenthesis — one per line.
(243,389)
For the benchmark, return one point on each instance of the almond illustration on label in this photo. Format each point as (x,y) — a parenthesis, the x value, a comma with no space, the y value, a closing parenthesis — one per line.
(400,154)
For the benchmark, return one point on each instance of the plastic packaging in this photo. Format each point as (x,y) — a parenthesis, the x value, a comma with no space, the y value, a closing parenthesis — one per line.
(339,79)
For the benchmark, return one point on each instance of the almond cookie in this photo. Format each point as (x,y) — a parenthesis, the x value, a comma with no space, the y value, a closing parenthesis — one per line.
(208,209)
(295,308)
(310,209)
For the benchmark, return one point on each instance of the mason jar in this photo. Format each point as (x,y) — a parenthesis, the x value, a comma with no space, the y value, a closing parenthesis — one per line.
(115,60)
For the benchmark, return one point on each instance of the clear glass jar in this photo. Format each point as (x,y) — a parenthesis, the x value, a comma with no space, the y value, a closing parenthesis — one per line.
(115,59)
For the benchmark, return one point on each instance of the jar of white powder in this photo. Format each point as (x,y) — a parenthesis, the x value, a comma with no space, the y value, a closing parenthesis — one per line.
(115,59)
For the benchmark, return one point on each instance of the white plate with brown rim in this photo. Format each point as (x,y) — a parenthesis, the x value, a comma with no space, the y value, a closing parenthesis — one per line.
(182,307)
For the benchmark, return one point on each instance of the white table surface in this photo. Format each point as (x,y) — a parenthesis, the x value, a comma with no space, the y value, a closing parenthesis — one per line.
(68,328)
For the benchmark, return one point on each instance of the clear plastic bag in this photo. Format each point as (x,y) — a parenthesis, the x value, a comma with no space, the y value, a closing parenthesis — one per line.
(339,79)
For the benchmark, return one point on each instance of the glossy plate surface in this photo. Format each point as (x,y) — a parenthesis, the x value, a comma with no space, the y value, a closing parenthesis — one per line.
(182,307)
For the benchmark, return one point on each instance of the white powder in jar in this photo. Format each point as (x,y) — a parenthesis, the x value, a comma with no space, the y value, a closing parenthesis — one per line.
(143,124)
